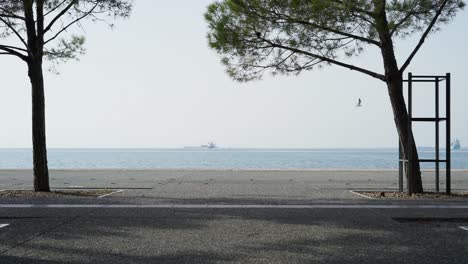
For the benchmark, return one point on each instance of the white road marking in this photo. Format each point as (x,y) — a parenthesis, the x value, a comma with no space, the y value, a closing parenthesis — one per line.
(362,195)
(464,228)
(2,190)
(105,195)
(4,225)
(242,206)
(75,186)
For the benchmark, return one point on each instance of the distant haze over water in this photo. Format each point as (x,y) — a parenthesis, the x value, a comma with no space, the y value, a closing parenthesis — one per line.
(222,158)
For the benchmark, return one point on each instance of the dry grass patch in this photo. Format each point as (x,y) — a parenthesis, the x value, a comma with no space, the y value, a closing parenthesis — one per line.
(54,193)
(425,195)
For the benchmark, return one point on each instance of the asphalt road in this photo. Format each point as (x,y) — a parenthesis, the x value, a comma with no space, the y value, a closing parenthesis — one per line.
(140,226)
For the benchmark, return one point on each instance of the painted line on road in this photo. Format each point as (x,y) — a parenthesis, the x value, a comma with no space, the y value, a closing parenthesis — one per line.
(362,195)
(2,190)
(109,194)
(4,225)
(240,206)
(464,228)
(102,188)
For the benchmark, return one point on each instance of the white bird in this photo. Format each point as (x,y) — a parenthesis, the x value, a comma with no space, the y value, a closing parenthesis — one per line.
(359,104)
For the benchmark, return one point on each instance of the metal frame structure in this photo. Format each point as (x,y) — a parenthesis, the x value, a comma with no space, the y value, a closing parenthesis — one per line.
(436,79)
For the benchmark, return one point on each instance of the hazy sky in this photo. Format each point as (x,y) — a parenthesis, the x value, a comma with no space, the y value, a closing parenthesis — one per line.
(153,82)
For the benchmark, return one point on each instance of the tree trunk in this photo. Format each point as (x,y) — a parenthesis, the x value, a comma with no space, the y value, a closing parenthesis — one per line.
(394,80)
(400,114)
(41,171)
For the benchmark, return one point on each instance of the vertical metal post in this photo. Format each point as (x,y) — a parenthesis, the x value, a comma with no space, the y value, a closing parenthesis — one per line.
(409,142)
(448,137)
(401,163)
(437,156)
(400,166)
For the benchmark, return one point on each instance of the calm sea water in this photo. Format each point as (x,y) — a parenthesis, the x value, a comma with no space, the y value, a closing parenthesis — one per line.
(220,158)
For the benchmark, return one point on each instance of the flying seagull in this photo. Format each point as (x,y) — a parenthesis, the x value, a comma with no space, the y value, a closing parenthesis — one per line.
(359,104)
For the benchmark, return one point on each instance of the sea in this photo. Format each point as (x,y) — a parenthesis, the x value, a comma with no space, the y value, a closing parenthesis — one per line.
(379,158)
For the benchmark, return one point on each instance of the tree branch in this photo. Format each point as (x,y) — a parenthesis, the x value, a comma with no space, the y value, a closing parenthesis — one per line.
(323,58)
(10,14)
(9,50)
(402,21)
(307,23)
(71,23)
(349,35)
(14,48)
(356,9)
(57,17)
(14,31)
(423,37)
(54,8)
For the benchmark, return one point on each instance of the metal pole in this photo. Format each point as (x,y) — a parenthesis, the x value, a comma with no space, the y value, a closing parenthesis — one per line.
(437,134)
(409,141)
(448,137)
(401,163)
(400,166)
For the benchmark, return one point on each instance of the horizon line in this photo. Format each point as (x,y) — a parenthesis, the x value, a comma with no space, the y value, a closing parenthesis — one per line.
(195,148)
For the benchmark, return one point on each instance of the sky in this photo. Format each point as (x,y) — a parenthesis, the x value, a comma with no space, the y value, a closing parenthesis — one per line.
(153,82)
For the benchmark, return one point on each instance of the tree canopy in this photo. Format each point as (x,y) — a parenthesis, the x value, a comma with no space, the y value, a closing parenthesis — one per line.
(290,36)
(36,24)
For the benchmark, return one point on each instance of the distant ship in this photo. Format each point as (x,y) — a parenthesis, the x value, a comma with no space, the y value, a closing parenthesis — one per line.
(210,145)
(455,145)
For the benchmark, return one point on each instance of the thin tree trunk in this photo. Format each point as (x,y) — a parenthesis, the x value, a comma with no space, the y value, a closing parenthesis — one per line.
(400,114)
(41,171)
(394,81)
(35,47)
